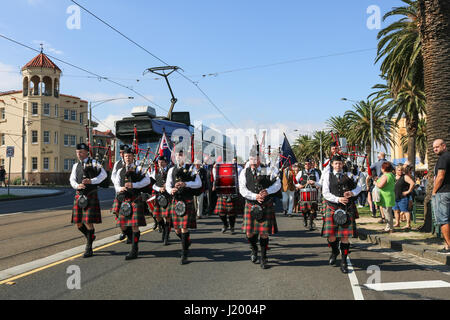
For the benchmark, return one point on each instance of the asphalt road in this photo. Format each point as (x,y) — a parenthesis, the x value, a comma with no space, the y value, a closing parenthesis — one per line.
(65,199)
(220,268)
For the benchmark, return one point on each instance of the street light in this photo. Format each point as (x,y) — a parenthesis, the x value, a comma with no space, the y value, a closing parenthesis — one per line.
(99,102)
(371,128)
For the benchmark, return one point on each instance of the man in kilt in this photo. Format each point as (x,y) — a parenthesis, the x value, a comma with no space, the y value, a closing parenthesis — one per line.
(308,177)
(339,190)
(227,205)
(161,213)
(181,183)
(128,205)
(334,149)
(85,176)
(256,185)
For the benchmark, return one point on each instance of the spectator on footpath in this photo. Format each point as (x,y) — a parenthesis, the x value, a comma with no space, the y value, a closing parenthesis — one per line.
(441,191)
(404,186)
(386,184)
(362,183)
(376,167)
(2,176)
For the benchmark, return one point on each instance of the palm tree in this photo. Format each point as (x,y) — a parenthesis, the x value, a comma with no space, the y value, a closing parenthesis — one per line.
(434,24)
(421,140)
(409,103)
(359,132)
(302,147)
(339,125)
(401,48)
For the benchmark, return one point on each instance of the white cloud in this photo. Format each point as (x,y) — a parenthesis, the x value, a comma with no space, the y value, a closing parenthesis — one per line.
(10,78)
(48,48)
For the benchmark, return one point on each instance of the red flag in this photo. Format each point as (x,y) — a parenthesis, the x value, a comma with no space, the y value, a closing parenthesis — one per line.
(192,148)
(110,165)
(135,142)
(369,171)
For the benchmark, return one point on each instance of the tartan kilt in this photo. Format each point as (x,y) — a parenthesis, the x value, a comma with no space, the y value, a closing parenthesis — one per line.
(269,226)
(188,221)
(159,212)
(305,206)
(223,207)
(323,208)
(329,228)
(137,218)
(90,214)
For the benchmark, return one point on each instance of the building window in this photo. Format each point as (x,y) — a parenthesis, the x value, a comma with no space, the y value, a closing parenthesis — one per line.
(34,163)
(46,137)
(73,115)
(66,114)
(45,163)
(2,139)
(35,109)
(34,137)
(81,118)
(56,165)
(2,162)
(73,141)
(46,109)
(81,140)
(56,137)
(66,140)
(56,111)
(68,164)
(2,114)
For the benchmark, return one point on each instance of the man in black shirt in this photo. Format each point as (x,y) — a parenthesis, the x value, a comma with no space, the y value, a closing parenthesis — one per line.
(441,191)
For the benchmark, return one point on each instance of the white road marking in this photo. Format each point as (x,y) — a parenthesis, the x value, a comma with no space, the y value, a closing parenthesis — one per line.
(391,286)
(357,293)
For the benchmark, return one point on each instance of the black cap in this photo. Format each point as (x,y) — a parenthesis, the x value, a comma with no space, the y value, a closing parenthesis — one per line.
(82,146)
(128,150)
(123,147)
(308,160)
(333,144)
(162,158)
(337,157)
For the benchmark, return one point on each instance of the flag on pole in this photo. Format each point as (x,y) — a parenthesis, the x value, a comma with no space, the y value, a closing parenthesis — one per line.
(287,155)
(164,148)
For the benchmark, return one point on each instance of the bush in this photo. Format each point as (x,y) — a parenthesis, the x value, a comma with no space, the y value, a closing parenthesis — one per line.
(17,181)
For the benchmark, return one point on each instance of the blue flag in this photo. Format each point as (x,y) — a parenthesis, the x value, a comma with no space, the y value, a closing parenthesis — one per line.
(287,156)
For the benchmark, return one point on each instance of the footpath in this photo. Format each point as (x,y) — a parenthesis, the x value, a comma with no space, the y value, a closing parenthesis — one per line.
(18,193)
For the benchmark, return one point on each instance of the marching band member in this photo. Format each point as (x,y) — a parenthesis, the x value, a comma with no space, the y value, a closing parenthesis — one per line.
(128,205)
(180,184)
(161,207)
(288,189)
(308,177)
(227,205)
(85,177)
(339,190)
(334,149)
(117,166)
(256,184)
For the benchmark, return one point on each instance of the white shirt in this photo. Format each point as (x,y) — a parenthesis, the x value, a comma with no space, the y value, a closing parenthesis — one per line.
(299,175)
(189,184)
(137,185)
(326,187)
(270,190)
(98,179)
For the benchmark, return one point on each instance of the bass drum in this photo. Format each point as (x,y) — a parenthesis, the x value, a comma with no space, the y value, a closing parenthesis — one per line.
(226,179)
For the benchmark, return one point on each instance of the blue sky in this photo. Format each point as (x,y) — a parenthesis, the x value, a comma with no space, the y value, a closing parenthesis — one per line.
(202,37)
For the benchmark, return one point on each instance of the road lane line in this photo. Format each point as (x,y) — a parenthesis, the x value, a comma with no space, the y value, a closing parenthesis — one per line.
(392,286)
(357,293)
(27,269)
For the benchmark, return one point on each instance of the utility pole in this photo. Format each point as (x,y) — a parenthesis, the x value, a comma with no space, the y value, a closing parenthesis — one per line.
(23,150)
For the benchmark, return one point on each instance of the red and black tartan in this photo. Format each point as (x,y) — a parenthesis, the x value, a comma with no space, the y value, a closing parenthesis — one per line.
(188,221)
(159,212)
(308,206)
(90,214)
(329,228)
(268,226)
(137,218)
(223,207)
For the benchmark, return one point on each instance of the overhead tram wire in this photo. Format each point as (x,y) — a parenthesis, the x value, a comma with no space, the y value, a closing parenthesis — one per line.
(84,70)
(159,59)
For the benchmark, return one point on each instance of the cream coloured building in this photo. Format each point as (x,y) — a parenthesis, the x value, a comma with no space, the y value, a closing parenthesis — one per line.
(53,124)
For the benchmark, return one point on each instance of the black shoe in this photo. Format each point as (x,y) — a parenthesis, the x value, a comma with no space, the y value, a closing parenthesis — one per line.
(88,253)
(264,263)
(232,230)
(285,212)
(254,256)
(224,229)
(184,259)
(344,266)
(122,236)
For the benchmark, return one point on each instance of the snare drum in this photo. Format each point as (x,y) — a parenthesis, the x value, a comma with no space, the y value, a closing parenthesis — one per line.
(226,179)
(309,195)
